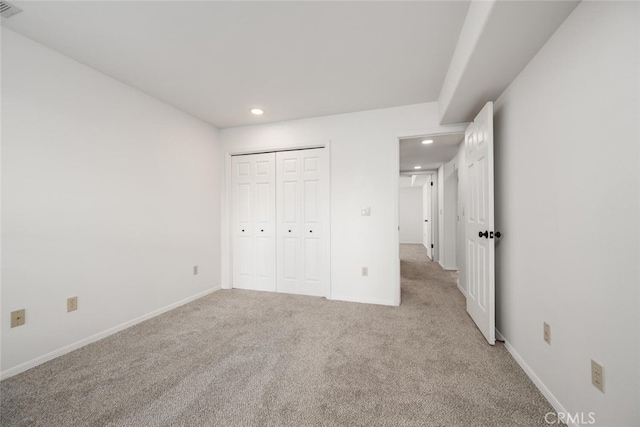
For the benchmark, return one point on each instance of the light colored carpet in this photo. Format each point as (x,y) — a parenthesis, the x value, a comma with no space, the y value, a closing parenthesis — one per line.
(252,358)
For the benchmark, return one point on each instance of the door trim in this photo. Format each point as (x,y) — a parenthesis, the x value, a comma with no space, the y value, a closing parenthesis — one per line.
(226,262)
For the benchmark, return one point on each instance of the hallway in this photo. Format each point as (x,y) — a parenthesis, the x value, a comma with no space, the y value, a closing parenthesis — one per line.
(482,380)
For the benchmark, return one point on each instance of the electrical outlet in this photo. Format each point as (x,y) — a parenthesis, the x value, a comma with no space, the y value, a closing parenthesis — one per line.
(72,304)
(597,375)
(17,318)
(365,271)
(195,270)
(547,333)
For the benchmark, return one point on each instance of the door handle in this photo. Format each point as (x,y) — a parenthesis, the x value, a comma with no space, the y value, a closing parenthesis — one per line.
(426,220)
(485,234)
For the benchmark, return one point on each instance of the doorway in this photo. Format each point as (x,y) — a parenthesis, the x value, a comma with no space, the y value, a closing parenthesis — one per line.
(429,173)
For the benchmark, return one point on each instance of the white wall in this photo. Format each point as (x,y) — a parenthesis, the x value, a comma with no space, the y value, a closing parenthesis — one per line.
(410,214)
(107,194)
(567,203)
(461,253)
(364,172)
(447,215)
(450,243)
(440,214)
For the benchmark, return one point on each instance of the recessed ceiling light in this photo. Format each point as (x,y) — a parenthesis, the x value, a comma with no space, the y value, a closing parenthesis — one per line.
(257,111)
(428,141)
(417,167)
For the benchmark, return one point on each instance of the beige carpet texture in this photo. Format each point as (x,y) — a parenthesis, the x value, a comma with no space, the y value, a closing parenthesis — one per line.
(244,358)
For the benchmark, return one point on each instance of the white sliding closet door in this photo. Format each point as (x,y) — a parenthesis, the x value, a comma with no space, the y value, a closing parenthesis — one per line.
(302,218)
(253,214)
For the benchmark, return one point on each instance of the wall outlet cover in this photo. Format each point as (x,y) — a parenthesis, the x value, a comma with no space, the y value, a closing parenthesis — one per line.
(18,318)
(597,375)
(547,333)
(72,304)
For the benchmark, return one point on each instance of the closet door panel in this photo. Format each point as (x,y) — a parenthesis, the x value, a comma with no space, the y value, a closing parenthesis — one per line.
(288,211)
(315,278)
(290,259)
(301,211)
(253,219)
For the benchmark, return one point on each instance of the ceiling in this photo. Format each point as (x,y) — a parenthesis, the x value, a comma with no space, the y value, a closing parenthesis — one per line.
(498,41)
(431,156)
(217,60)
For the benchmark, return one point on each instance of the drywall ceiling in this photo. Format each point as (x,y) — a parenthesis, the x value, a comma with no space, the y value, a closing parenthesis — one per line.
(216,60)
(498,40)
(430,156)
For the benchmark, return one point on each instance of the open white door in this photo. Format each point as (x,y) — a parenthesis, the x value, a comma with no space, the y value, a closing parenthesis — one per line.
(479,239)
(426,214)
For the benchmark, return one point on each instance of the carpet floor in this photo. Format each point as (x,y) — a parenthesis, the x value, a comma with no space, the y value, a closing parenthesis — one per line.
(243,358)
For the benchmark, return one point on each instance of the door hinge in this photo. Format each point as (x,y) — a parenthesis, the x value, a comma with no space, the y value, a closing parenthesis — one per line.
(432,183)
(432,246)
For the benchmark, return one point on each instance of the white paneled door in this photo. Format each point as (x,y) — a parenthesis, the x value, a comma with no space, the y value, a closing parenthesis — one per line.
(291,209)
(427,192)
(480,234)
(254,221)
(301,218)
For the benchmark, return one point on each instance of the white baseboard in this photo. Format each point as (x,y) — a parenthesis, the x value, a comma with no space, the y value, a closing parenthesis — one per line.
(532,375)
(446,267)
(93,338)
(461,289)
(363,300)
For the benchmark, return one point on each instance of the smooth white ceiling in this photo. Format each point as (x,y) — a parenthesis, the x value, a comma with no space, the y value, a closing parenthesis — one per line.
(505,35)
(431,156)
(216,60)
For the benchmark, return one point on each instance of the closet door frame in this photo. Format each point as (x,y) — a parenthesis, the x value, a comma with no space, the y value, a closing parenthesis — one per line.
(226,219)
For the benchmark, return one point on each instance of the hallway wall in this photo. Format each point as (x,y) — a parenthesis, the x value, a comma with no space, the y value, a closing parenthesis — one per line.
(448,219)
(410,214)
